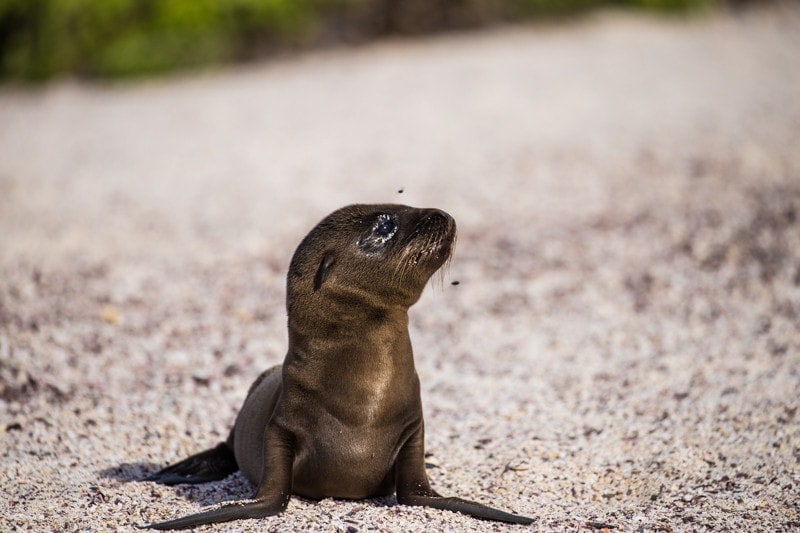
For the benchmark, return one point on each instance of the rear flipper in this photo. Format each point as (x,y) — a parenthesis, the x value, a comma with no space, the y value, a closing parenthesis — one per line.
(210,465)
(413,487)
(271,497)
(467,507)
(223,513)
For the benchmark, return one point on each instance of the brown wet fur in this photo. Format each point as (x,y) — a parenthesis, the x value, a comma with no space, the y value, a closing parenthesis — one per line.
(342,417)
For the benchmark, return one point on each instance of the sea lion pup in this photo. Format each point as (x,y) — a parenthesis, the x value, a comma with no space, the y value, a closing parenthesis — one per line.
(342,417)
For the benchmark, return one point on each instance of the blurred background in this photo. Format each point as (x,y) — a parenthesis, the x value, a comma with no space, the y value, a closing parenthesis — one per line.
(623,346)
(40,39)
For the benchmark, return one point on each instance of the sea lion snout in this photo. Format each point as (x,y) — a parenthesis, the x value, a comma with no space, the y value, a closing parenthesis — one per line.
(439,224)
(438,221)
(431,241)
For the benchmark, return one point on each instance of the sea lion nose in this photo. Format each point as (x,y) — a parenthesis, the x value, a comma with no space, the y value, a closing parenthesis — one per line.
(433,216)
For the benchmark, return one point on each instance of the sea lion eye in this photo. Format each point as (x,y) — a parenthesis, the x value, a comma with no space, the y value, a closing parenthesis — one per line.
(385,227)
(377,237)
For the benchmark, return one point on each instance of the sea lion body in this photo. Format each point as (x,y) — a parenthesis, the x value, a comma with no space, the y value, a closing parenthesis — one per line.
(342,416)
(356,467)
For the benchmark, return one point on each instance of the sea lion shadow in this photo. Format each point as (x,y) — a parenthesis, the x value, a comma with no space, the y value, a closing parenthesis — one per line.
(381,501)
(129,471)
(233,487)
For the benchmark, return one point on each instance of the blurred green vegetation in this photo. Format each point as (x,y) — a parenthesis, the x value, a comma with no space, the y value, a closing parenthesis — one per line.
(40,39)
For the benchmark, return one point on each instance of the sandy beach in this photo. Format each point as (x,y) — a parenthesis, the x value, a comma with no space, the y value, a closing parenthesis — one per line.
(622,350)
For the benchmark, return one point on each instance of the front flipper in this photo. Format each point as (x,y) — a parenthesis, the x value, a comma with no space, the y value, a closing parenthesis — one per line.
(413,487)
(210,465)
(222,513)
(459,505)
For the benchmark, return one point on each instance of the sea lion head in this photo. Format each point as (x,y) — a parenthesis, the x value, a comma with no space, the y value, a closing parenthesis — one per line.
(380,255)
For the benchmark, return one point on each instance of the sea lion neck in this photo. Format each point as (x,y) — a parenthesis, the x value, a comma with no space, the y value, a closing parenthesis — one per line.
(339,320)
(366,346)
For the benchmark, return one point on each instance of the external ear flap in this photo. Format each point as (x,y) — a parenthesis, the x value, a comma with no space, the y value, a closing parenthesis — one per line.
(324,269)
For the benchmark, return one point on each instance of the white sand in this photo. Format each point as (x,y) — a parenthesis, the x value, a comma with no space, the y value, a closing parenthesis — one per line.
(624,344)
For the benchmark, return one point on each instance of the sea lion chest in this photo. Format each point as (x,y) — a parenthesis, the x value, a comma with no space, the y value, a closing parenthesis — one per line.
(349,427)
(349,405)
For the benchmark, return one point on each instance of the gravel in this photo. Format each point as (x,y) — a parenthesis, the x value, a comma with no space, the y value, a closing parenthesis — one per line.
(622,350)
